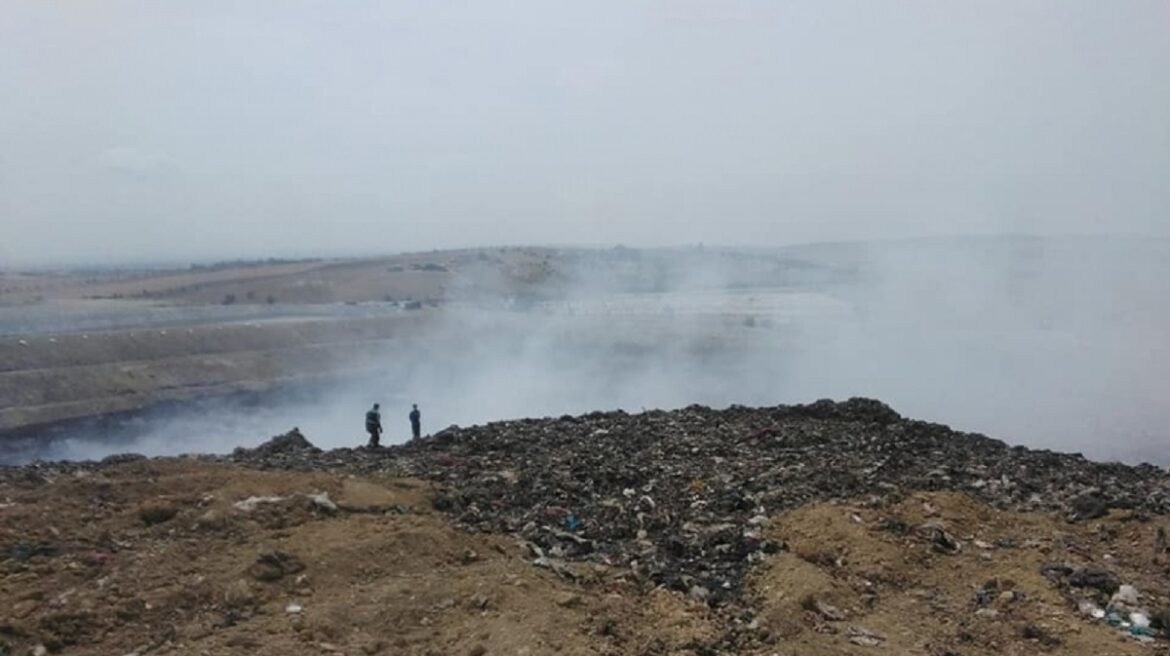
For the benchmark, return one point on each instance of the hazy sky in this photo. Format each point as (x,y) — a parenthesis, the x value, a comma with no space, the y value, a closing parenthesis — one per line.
(158,130)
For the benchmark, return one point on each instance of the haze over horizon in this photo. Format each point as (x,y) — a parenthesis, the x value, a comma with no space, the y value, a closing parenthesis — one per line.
(137,131)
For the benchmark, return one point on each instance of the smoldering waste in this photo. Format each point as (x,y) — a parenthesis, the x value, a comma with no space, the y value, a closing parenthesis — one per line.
(679,498)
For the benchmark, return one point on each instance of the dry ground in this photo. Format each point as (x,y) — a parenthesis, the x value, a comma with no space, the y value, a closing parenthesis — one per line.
(409,276)
(69,373)
(46,379)
(156,557)
(384,574)
(880,569)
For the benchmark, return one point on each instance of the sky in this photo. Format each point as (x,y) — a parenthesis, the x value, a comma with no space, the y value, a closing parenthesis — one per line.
(155,131)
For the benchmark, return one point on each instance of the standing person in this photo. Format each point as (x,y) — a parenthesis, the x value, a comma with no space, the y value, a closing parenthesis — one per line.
(374,425)
(415,421)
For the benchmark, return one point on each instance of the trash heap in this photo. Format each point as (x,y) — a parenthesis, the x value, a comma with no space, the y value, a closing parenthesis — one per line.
(678,498)
(1105,598)
(292,443)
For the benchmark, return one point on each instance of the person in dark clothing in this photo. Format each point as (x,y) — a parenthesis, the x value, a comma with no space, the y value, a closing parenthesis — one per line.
(374,425)
(415,421)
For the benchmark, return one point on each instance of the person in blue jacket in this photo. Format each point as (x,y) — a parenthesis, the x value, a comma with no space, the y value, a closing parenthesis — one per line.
(415,421)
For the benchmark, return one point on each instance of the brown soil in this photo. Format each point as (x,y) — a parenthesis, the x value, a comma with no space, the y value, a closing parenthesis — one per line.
(156,557)
(879,568)
(152,557)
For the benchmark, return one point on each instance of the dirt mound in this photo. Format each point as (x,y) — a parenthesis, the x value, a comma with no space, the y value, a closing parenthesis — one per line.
(821,529)
(245,562)
(678,498)
(83,572)
(852,577)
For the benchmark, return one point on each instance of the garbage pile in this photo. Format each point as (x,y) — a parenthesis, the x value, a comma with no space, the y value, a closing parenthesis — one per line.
(291,443)
(678,498)
(1106,599)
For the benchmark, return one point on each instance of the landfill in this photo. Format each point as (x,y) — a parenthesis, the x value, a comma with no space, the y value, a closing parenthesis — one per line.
(823,528)
(677,498)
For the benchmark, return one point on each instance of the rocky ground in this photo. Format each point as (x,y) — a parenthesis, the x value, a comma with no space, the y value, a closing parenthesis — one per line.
(831,528)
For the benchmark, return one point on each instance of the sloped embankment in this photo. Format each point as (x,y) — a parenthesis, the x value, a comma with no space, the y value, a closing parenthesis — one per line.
(47,379)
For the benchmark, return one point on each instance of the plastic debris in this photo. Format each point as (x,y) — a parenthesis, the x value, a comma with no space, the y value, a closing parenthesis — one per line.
(251,503)
(633,476)
(323,502)
(571,522)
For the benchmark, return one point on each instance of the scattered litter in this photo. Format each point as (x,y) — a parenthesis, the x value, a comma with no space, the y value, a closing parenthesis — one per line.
(250,504)
(1090,609)
(860,635)
(323,502)
(1126,595)
(571,522)
(679,498)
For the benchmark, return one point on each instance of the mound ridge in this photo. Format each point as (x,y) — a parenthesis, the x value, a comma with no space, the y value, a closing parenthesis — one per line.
(677,496)
(827,528)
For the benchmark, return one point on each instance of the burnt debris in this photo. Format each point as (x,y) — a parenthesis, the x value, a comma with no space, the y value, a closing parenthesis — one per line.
(679,498)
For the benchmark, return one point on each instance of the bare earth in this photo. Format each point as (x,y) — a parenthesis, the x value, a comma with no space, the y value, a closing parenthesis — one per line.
(161,557)
(77,345)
